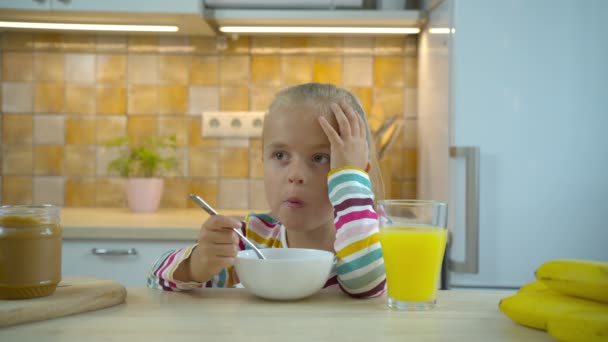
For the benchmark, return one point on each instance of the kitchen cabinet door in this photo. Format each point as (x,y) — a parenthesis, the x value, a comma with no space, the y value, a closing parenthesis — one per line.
(149,6)
(26,4)
(125,261)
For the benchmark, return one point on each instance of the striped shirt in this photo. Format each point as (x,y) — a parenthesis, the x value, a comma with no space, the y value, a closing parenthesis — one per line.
(358,267)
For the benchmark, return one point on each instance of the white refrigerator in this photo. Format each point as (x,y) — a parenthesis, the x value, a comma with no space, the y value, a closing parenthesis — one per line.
(513,133)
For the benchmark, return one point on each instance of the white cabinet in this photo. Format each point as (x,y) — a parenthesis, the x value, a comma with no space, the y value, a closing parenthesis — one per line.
(130,270)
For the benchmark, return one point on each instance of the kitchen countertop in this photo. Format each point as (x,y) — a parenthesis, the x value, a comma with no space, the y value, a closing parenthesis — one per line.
(121,223)
(234,315)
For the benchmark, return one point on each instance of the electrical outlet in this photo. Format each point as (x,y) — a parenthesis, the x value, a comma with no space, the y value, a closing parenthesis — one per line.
(232,124)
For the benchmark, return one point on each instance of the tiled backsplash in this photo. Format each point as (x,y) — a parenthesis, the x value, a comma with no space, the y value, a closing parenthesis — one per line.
(64,96)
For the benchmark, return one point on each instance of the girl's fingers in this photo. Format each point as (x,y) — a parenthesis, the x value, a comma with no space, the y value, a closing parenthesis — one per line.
(343,122)
(353,118)
(332,135)
(362,130)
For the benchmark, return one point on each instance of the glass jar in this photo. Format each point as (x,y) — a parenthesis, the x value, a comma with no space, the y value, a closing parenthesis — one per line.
(30,251)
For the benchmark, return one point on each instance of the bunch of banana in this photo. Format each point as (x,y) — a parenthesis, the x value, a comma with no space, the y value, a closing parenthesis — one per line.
(569,300)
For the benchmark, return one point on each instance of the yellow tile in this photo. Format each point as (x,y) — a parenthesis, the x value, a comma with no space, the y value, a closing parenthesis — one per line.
(174,44)
(204,70)
(234,70)
(296,69)
(111,100)
(110,127)
(49,97)
(143,44)
(388,45)
(172,99)
(80,130)
(355,45)
(110,192)
(48,160)
(18,66)
(266,69)
(265,45)
(295,44)
(388,72)
(143,69)
(234,98)
(206,189)
(17,129)
(175,194)
(49,67)
(173,69)
(261,97)
(410,163)
(79,99)
(78,42)
(143,99)
(196,138)
(79,160)
(234,162)
(47,41)
(364,95)
(411,72)
(390,100)
(140,127)
(80,192)
(204,45)
(174,125)
(325,44)
(327,70)
(111,43)
(256,162)
(238,46)
(17,190)
(203,161)
(409,189)
(17,160)
(111,68)
(17,41)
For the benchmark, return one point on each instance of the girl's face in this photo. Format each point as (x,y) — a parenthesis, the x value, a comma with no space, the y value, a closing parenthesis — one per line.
(296,164)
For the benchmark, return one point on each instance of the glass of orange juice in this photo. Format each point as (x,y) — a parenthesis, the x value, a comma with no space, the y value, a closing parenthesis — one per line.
(413,235)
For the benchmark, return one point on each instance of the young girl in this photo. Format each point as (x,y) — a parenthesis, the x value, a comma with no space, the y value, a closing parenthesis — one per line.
(318,162)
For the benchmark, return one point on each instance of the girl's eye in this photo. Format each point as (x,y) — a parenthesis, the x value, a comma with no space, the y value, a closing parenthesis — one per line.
(279,155)
(321,158)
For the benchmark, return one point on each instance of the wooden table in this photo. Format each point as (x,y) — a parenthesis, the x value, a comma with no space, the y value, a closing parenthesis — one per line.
(234,315)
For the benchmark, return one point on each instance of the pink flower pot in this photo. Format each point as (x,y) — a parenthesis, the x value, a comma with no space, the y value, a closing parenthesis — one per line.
(143,194)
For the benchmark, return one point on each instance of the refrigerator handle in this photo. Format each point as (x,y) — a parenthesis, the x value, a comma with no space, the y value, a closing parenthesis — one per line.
(471,262)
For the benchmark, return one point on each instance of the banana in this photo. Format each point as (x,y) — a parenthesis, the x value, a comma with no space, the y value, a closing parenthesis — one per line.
(581,278)
(534,309)
(535,286)
(579,326)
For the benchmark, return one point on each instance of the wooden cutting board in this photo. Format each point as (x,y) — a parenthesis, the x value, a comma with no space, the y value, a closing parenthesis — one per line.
(73,295)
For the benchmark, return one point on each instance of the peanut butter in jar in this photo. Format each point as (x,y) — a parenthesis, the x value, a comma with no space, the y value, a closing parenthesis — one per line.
(30,251)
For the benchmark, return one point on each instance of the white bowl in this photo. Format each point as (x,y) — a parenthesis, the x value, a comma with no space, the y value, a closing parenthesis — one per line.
(287,273)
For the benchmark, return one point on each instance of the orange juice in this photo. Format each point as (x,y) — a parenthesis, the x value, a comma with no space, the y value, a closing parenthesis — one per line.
(412,258)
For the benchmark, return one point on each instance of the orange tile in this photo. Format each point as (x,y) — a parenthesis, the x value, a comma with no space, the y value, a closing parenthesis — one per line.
(234,162)
(48,160)
(196,138)
(110,127)
(265,69)
(79,99)
(204,45)
(238,46)
(173,69)
(111,68)
(174,125)
(17,129)
(17,41)
(47,41)
(203,161)
(265,45)
(172,99)
(110,192)
(257,195)
(174,44)
(143,99)
(49,97)
(206,189)
(410,165)
(111,43)
(18,66)
(256,162)
(390,100)
(358,71)
(234,98)
(78,42)
(204,70)
(17,190)
(325,44)
(140,127)
(175,194)
(111,100)
(354,45)
(80,130)
(233,193)
(80,192)
(49,67)
(79,160)
(388,72)
(388,45)
(295,44)
(296,69)
(262,96)
(364,95)
(411,72)
(142,43)
(327,70)
(17,160)
(234,70)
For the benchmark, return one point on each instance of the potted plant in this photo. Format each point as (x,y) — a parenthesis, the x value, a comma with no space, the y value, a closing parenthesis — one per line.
(144,165)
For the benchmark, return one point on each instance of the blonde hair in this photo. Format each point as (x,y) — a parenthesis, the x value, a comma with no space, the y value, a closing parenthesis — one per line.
(319,96)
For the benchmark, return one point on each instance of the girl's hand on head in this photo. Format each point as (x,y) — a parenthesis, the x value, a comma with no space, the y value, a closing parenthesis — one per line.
(349,145)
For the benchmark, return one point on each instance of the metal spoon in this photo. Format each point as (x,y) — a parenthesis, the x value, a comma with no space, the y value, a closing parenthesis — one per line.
(206,207)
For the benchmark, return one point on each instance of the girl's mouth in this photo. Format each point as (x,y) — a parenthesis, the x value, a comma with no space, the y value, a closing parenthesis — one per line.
(293,202)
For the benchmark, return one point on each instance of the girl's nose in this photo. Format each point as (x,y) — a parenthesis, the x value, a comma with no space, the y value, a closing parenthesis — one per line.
(296,173)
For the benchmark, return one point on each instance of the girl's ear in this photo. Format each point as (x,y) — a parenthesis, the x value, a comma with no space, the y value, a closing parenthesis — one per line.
(368,167)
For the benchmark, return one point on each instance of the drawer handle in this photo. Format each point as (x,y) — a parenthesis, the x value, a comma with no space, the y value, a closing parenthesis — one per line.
(105,251)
